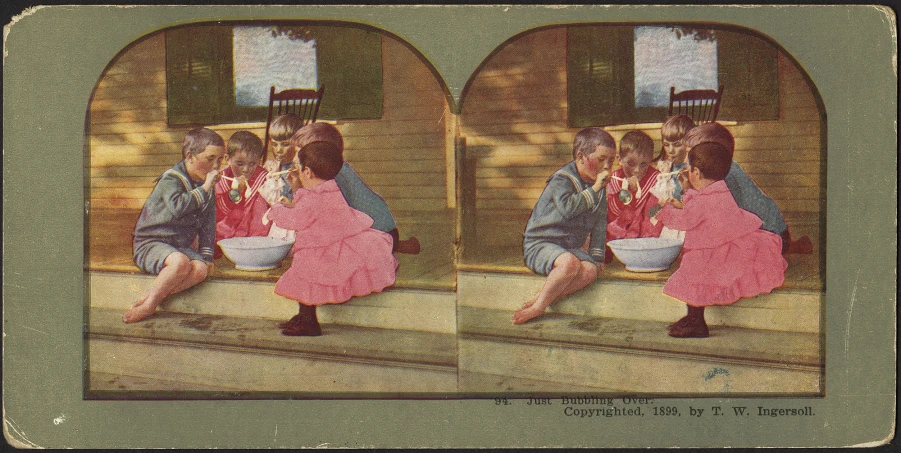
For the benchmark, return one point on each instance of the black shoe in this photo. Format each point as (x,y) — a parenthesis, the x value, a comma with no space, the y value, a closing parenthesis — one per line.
(691,329)
(294,320)
(306,325)
(304,328)
(685,320)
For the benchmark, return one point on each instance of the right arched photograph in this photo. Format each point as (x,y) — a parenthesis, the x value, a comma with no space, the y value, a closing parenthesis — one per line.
(642,210)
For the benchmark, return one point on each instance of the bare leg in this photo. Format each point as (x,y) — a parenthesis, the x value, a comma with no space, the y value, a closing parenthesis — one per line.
(198,274)
(176,269)
(587,274)
(567,268)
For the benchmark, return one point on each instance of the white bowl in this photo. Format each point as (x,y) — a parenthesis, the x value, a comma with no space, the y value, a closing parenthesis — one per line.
(646,254)
(256,253)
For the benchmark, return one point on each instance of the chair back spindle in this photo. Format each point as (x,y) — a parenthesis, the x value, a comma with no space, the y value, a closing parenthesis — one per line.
(702,106)
(302,102)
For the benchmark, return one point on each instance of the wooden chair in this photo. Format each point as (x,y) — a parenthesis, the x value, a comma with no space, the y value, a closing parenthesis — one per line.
(302,102)
(701,105)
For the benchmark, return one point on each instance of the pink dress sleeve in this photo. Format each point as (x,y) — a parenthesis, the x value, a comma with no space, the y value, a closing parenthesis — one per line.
(684,219)
(292,217)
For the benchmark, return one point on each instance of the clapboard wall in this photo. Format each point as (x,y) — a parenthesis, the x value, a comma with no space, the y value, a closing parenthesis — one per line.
(514,121)
(402,156)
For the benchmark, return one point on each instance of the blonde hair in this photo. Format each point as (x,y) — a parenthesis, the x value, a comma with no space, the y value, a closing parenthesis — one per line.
(284,126)
(675,127)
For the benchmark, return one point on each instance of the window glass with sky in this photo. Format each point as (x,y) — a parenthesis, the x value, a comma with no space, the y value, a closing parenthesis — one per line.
(266,56)
(672,56)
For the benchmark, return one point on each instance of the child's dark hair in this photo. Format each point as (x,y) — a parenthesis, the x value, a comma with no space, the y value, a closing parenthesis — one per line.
(636,142)
(284,126)
(318,132)
(588,139)
(245,141)
(323,159)
(196,140)
(712,159)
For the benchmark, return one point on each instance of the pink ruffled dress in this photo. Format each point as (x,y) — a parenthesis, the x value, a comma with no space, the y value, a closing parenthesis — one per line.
(337,255)
(726,256)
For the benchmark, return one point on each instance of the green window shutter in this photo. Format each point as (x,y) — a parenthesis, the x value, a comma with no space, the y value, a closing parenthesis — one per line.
(599,75)
(200,81)
(748,71)
(194,67)
(350,66)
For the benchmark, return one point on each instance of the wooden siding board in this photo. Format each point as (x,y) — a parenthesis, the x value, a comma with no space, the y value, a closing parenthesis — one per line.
(474,130)
(155,116)
(130,91)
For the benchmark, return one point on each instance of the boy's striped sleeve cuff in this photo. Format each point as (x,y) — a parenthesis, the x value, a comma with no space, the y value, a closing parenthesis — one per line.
(199,195)
(597,254)
(207,253)
(590,197)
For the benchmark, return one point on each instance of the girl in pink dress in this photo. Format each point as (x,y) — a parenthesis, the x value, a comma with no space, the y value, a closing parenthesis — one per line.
(337,253)
(726,256)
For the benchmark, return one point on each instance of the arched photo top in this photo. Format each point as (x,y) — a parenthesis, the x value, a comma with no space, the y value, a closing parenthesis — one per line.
(221,72)
(621,72)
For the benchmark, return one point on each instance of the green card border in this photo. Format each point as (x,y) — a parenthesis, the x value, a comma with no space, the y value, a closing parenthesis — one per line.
(54,55)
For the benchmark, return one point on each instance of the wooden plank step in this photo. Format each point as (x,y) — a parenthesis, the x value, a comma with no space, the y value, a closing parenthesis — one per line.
(797,310)
(636,356)
(251,355)
(407,309)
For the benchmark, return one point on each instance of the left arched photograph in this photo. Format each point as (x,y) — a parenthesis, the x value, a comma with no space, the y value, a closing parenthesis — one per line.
(272,213)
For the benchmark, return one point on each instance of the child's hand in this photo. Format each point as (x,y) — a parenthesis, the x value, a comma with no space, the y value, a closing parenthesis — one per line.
(293,178)
(683,179)
(676,203)
(285,201)
(633,183)
(601,180)
(211,178)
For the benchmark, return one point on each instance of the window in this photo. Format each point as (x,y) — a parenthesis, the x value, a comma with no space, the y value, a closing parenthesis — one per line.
(665,57)
(267,56)
(622,74)
(219,74)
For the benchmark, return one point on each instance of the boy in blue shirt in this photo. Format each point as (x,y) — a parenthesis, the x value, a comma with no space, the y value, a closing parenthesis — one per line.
(181,208)
(357,193)
(565,236)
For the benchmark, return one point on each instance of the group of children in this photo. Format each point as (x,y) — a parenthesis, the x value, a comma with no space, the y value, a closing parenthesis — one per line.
(734,235)
(305,190)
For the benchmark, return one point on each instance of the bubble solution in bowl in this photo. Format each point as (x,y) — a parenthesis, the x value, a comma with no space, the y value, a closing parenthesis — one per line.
(646,254)
(256,253)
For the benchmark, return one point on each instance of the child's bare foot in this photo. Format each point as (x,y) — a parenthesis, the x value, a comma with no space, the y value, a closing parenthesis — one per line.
(525,315)
(141,300)
(138,312)
(529,302)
